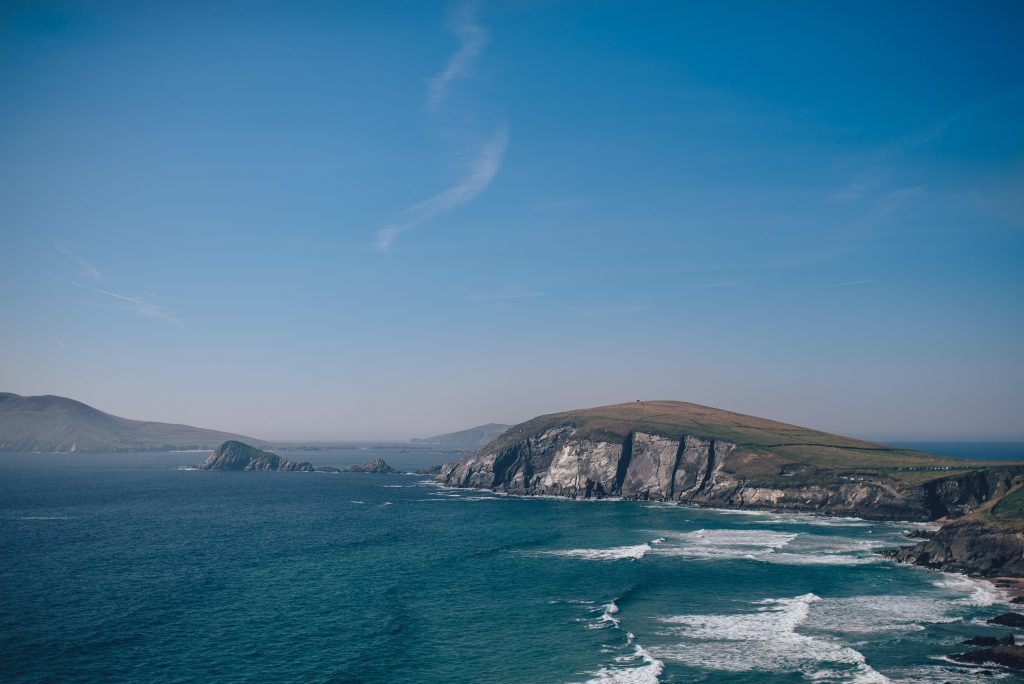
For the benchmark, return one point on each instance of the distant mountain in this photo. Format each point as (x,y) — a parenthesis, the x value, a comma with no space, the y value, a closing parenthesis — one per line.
(58,424)
(473,438)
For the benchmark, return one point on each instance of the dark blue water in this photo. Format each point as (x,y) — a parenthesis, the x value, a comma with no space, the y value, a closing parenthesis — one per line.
(125,568)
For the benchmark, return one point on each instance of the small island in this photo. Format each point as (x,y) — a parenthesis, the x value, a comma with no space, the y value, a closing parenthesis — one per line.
(377,465)
(235,455)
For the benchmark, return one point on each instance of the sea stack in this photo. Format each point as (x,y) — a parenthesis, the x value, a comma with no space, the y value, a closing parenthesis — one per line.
(377,465)
(235,455)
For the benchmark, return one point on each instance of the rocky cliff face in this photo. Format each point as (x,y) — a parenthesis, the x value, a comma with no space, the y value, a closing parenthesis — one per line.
(704,471)
(974,547)
(234,455)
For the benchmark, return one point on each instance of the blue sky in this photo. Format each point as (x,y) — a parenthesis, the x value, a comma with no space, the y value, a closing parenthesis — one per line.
(374,220)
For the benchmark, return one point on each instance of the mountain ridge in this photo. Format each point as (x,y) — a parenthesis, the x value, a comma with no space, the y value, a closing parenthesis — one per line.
(470,438)
(54,424)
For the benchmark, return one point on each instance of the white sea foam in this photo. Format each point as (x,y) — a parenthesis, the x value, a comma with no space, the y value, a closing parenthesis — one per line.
(765,640)
(639,668)
(724,544)
(818,559)
(877,614)
(978,592)
(614,553)
(767,546)
(357,502)
(814,520)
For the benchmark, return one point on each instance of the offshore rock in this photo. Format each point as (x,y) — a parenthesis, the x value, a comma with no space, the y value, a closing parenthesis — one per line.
(1005,640)
(1008,620)
(235,455)
(1007,656)
(377,465)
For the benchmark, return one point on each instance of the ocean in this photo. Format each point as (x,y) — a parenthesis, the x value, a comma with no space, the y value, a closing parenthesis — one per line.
(129,568)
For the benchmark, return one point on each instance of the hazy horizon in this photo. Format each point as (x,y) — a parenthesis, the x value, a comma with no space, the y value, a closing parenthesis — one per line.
(323,221)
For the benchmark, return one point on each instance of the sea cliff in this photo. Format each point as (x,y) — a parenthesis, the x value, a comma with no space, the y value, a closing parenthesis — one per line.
(680,452)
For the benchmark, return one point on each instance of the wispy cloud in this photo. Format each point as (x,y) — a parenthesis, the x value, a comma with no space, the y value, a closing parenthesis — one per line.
(892,202)
(472,38)
(479,174)
(861,184)
(137,306)
(87,269)
(848,283)
(59,342)
(507,293)
(606,311)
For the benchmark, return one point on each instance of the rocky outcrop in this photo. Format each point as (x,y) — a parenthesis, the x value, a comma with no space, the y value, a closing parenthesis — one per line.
(1007,656)
(377,465)
(1005,640)
(1015,620)
(234,455)
(970,546)
(562,460)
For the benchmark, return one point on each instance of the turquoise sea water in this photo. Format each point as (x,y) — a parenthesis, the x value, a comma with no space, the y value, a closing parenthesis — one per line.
(127,568)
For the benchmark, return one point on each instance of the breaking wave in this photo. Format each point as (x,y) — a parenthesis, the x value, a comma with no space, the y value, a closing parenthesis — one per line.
(766,640)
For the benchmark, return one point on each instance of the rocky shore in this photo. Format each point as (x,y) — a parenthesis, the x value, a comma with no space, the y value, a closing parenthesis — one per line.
(973,546)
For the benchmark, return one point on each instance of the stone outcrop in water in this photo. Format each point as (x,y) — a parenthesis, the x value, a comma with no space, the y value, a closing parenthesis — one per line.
(673,451)
(377,465)
(235,455)
(1007,656)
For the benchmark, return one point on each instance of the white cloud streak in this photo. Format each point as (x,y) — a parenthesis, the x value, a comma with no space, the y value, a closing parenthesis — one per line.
(479,175)
(137,306)
(861,184)
(87,269)
(472,38)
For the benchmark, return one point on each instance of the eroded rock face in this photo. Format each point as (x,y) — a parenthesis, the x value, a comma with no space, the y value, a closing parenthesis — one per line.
(651,468)
(558,462)
(234,455)
(970,546)
(688,468)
